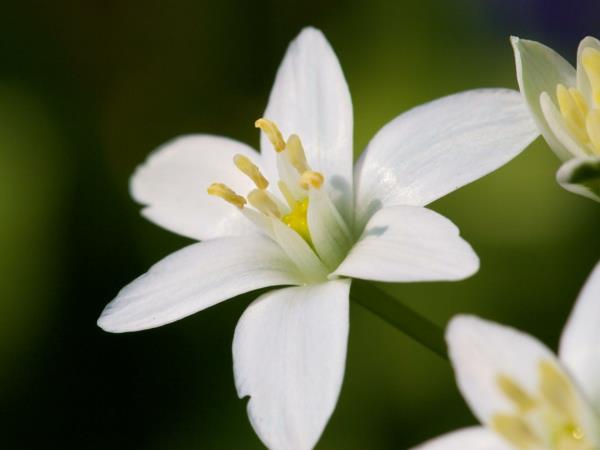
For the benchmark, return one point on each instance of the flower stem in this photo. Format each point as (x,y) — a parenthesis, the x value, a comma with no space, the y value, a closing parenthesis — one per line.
(400,316)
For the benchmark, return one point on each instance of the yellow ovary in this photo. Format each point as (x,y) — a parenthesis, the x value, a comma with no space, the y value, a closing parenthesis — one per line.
(548,419)
(297,219)
(583,118)
(294,189)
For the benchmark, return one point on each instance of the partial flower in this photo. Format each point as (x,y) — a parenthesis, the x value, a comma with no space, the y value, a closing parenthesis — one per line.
(565,103)
(298,214)
(526,397)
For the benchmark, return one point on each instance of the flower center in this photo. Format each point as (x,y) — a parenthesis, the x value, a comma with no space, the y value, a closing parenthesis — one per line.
(583,119)
(297,220)
(296,178)
(547,420)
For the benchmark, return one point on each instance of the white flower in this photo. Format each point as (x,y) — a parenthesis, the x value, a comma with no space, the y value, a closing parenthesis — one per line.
(526,397)
(565,104)
(301,223)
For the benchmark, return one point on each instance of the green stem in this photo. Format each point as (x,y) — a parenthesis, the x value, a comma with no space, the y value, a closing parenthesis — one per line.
(400,316)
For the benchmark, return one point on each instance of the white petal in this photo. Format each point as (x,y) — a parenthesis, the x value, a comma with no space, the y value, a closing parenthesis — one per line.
(329,233)
(438,147)
(581,176)
(289,354)
(580,341)
(172,185)
(560,129)
(310,98)
(305,259)
(540,69)
(409,243)
(480,351)
(475,438)
(197,277)
(583,83)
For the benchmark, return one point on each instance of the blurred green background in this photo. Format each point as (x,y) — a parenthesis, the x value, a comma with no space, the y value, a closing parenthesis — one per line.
(89,88)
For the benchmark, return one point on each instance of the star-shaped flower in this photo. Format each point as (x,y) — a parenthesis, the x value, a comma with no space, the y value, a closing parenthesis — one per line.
(565,104)
(526,397)
(299,214)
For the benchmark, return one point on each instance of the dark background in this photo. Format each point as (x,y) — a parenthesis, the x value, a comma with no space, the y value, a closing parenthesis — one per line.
(89,88)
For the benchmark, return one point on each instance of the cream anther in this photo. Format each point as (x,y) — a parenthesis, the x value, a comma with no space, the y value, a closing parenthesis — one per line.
(249,168)
(310,179)
(272,132)
(227,194)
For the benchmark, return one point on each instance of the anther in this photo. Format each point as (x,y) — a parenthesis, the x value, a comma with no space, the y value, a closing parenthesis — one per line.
(227,194)
(296,154)
(261,201)
(272,132)
(310,179)
(248,168)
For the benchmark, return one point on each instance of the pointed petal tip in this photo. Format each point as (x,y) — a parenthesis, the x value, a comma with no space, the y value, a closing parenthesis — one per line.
(311,32)
(107,322)
(104,322)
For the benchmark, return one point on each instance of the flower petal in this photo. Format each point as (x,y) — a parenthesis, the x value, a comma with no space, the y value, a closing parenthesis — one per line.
(310,98)
(580,341)
(583,84)
(541,69)
(581,176)
(474,438)
(299,252)
(481,351)
(289,354)
(172,185)
(409,243)
(438,147)
(197,277)
(329,233)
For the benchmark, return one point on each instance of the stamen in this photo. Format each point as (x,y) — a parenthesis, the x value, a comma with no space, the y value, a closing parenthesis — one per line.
(515,393)
(579,100)
(515,430)
(311,179)
(261,201)
(272,132)
(593,129)
(590,59)
(571,110)
(555,389)
(250,169)
(227,194)
(296,154)
(287,194)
